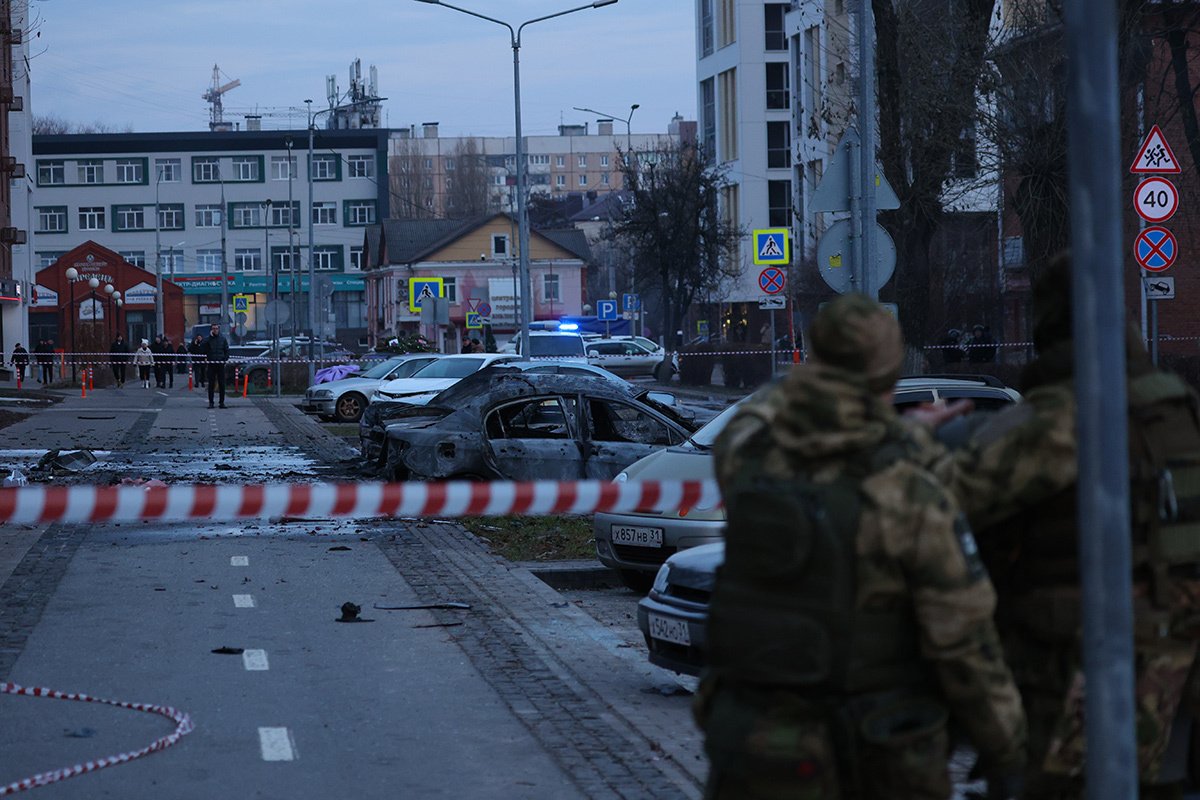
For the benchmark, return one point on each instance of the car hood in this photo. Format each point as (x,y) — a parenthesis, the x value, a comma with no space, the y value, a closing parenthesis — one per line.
(684,463)
(406,386)
(696,567)
(345,385)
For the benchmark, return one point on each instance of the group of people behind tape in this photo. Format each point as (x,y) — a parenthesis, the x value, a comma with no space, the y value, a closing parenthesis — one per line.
(976,346)
(897,587)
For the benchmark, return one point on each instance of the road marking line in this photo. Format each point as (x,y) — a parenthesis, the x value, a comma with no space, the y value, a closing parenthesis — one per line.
(243,601)
(255,660)
(239,561)
(276,744)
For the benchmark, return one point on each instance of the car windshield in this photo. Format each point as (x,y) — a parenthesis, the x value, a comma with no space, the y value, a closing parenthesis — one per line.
(555,346)
(449,368)
(381,369)
(708,434)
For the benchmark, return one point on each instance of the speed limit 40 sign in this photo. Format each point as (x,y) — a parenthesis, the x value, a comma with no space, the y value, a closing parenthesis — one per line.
(1156,199)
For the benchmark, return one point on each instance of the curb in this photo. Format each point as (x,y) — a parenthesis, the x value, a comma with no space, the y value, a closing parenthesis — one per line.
(583,574)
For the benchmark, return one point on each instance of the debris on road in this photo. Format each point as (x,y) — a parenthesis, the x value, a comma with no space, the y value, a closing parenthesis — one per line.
(422,606)
(229,651)
(338,548)
(57,462)
(80,733)
(350,612)
(439,625)
(16,478)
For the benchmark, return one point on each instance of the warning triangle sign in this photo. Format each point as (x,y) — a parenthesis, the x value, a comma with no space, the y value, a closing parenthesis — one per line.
(770,248)
(1155,155)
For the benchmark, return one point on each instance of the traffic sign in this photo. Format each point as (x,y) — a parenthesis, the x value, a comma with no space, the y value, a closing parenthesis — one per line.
(474,320)
(420,289)
(241,302)
(1159,287)
(771,246)
(833,260)
(606,310)
(1156,199)
(277,312)
(485,310)
(833,192)
(1155,249)
(631,302)
(772,280)
(772,303)
(1155,155)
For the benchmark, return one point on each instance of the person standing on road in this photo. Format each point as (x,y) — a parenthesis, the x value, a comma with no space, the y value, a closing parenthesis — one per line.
(20,360)
(216,352)
(43,359)
(143,359)
(168,363)
(120,357)
(181,357)
(1016,480)
(197,349)
(852,618)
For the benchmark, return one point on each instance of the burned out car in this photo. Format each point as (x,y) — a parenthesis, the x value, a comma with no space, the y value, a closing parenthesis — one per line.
(510,424)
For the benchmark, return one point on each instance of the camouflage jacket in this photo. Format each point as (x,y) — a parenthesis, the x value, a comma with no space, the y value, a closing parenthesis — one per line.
(908,547)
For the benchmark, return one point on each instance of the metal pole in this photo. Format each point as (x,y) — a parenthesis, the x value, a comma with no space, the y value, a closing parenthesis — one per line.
(854,165)
(866,132)
(293,261)
(312,275)
(772,343)
(1098,320)
(1153,330)
(224,321)
(158,290)
(522,215)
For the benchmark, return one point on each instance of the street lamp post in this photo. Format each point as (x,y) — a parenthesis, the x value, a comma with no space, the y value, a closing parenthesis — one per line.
(628,122)
(522,215)
(72,276)
(158,305)
(108,290)
(93,284)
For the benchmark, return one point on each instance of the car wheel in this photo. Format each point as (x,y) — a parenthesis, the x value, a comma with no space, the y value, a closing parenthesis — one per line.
(637,581)
(350,407)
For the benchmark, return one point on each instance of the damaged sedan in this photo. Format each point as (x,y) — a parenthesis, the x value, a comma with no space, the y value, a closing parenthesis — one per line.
(516,425)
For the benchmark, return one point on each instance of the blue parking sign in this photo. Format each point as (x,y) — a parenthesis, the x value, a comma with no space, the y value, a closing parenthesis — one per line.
(606,310)
(631,302)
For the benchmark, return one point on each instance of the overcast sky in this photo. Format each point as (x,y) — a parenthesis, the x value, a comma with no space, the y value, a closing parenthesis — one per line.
(144,64)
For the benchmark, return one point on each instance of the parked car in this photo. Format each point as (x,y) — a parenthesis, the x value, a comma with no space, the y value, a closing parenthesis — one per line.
(518,425)
(553,344)
(623,356)
(344,400)
(672,617)
(438,375)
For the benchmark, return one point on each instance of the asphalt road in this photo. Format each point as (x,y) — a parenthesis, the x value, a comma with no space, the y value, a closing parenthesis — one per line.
(523,695)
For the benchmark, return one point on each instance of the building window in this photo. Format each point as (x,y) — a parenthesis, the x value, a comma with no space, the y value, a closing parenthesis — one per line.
(726,23)
(325,168)
(90,171)
(167,170)
(247,216)
(327,257)
(730,198)
(283,168)
(46,258)
(208,216)
(582,180)
(708,114)
(809,70)
(707,27)
(91,218)
(282,258)
(560,180)
(779,145)
(170,217)
(499,245)
(51,219)
(429,163)
(728,136)
(604,160)
(245,168)
(356,258)
(542,159)
(364,166)
(284,216)
(51,173)
(172,260)
(324,214)
(135,257)
(130,218)
(247,259)
(560,161)
(500,181)
(582,162)
(777,84)
(428,184)
(604,179)
(773,29)
(130,170)
(449,184)
(779,204)
(1012,254)
(360,212)
(208,261)
(448,164)
(206,170)
(450,290)
(550,288)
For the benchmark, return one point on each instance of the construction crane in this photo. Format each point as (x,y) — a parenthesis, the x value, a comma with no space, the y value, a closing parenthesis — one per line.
(216,121)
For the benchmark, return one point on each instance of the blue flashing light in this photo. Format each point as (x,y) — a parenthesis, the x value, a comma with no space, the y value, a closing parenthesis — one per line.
(568,326)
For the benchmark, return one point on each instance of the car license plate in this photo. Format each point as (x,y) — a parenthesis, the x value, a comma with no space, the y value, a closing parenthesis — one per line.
(670,630)
(637,536)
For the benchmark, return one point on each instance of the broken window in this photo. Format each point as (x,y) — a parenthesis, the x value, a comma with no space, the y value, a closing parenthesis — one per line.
(619,422)
(537,418)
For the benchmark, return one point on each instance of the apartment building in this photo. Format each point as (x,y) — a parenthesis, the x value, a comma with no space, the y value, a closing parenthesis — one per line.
(15,266)
(188,203)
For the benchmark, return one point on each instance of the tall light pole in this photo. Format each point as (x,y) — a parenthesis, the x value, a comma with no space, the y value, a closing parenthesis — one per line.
(158,292)
(272,273)
(293,257)
(312,266)
(628,122)
(522,215)
(72,276)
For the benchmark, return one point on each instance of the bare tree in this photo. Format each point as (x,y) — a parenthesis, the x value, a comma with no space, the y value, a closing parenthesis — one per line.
(411,182)
(468,188)
(54,124)
(682,245)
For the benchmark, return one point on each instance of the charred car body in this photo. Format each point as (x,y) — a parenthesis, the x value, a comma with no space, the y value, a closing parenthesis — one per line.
(509,424)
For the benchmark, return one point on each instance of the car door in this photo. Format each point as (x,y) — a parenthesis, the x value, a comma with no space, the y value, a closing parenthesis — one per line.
(619,433)
(534,438)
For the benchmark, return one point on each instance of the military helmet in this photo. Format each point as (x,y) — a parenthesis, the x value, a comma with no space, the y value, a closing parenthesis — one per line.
(857,334)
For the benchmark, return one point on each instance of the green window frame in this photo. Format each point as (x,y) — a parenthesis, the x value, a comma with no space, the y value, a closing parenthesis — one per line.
(142,165)
(48,169)
(328,258)
(258,164)
(326,175)
(118,213)
(168,212)
(206,160)
(349,221)
(59,211)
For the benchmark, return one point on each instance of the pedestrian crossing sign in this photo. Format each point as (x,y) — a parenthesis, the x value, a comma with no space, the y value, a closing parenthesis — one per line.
(241,302)
(419,289)
(771,246)
(474,321)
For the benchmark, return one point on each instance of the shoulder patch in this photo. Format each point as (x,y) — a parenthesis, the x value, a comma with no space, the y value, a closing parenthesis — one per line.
(969,548)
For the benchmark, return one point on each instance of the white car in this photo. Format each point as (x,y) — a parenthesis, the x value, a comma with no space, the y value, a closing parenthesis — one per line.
(345,399)
(623,356)
(438,375)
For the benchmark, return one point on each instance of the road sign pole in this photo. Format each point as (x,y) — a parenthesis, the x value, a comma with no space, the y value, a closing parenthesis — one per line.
(1153,330)
(866,131)
(791,312)
(773,340)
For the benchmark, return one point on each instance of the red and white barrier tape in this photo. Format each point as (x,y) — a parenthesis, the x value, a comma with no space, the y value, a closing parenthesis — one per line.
(183,726)
(44,504)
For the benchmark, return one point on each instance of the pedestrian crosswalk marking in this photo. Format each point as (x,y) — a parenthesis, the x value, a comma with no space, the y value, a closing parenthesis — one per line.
(770,248)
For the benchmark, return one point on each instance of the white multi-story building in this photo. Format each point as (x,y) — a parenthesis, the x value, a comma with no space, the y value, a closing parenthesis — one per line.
(14,103)
(239,198)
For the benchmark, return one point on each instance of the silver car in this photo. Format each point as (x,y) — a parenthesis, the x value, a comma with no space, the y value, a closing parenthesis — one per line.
(345,399)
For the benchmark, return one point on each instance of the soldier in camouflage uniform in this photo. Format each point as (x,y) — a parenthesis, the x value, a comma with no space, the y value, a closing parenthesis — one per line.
(1016,478)
(852,618)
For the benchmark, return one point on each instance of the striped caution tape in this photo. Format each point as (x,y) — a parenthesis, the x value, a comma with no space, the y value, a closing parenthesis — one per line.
(183,726)
(45,504)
